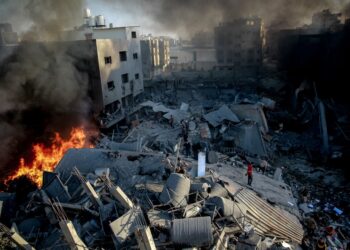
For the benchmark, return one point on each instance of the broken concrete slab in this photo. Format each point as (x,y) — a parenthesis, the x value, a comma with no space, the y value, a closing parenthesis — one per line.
(16,238)
(159,218)
(57,190)
(247,137)
(215,118)
(253,113)
(124,226)
(85,159)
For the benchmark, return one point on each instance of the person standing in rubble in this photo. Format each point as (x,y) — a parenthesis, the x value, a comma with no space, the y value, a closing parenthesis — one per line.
(184,128)
(249,173)
(171,121)
(187,146)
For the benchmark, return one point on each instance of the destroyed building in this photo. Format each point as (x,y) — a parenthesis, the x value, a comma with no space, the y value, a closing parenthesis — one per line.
(238,44)
(313,53)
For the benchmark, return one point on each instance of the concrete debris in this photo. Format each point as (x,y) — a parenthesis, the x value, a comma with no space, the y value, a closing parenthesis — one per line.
(177,114)
(17,239)
(56,190)
(176,190)
(124,226)
(247,137)
(215,118)
(177,179)
(252,113)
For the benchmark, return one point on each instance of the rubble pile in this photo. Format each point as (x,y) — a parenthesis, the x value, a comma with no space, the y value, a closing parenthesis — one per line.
(175,177)
(89,211)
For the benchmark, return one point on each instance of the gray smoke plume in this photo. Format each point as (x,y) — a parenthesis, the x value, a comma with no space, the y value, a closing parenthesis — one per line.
(39,81)
(186,17)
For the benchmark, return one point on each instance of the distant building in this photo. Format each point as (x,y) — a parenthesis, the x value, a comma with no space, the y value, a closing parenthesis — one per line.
(239,43)
(279,42)
(197,54)
(317,53)
(325,21)
(7,35)
(192,58)
(164,53)
(155,52)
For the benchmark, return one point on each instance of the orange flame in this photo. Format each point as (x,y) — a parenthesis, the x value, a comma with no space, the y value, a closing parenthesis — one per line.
(46,158)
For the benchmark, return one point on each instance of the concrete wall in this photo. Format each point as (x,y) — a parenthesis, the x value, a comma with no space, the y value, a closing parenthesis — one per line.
(239,42)
(155,56)
(115,70)
(109,42)
(195,58)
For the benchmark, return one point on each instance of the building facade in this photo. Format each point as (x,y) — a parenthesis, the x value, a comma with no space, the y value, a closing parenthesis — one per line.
(239,43)
(155,52)
(118,56)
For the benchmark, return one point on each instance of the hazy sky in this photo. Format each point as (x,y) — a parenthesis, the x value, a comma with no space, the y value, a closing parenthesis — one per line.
(127,13)
(166,17)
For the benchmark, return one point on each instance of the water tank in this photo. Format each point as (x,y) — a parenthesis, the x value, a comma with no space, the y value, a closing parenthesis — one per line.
(91,21)
(87,13)
(100,21)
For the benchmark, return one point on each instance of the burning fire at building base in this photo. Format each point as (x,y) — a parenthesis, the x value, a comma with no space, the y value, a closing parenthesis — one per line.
(45,158)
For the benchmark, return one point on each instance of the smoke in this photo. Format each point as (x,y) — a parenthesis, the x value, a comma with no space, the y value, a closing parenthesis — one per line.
(346,10)
(186,17)
(42,86)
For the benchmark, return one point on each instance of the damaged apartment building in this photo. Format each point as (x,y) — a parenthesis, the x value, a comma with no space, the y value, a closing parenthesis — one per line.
(155,53)
(109,56)
(117,59)
(239,44)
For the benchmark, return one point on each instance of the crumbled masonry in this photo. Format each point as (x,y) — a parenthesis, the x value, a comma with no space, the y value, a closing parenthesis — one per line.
(145,189)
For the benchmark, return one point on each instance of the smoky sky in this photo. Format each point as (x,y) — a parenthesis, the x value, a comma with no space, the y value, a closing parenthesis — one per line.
(186,17)
(182,17)
(40,82)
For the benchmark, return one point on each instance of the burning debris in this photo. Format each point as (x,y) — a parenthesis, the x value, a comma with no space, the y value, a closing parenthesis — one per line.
(46,158)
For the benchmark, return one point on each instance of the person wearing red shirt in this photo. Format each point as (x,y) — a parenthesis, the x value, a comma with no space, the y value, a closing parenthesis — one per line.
(250,173)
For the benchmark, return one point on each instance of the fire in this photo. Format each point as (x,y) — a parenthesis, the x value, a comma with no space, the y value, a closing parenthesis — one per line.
(46,158)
